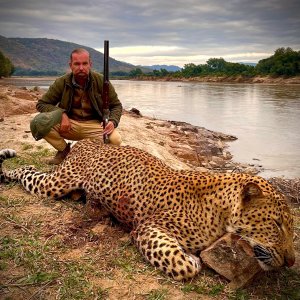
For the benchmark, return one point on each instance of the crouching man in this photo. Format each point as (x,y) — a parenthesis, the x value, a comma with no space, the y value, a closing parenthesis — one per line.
(72,108)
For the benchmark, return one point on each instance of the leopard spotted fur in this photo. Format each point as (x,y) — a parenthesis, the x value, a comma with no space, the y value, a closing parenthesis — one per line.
(173,214)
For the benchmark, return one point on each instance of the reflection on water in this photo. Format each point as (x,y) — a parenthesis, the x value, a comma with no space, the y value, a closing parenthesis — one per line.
(265,118)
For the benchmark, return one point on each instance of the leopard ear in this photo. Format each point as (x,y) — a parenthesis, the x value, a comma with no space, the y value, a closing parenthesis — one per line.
(250,191)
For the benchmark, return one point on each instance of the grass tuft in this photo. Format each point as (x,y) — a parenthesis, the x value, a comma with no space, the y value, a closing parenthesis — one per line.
(159,294)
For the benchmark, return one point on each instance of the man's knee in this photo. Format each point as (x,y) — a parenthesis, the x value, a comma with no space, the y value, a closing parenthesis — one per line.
(115,138)
(43,123)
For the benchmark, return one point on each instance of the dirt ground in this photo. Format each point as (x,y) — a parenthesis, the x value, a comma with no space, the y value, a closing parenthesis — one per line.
(60,250)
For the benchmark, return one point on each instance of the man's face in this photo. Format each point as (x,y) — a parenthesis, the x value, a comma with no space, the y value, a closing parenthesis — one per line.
(80,65)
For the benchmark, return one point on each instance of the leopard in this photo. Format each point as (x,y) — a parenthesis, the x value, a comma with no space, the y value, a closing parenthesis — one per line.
(172,214)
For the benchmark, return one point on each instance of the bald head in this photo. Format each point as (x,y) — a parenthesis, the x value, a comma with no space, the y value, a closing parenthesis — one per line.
(79,51)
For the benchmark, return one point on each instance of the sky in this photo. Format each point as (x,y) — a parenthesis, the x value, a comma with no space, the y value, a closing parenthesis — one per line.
(171,32)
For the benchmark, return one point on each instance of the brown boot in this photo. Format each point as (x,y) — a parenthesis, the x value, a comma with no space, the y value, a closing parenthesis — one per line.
(59,156)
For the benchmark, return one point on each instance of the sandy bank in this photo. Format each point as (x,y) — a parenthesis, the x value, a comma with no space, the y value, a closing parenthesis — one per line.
(232,79)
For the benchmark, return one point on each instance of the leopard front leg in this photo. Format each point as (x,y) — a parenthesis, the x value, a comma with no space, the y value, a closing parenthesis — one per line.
(164,252)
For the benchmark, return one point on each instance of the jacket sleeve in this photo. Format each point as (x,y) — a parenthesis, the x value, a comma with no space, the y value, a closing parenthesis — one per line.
(115,106)
(52,97)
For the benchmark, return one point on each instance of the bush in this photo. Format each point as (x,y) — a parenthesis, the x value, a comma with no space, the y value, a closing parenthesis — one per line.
(285,61)
(6,67)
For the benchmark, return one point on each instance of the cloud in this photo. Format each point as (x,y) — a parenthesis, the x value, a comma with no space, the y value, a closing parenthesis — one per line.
(160,30)
(178,55)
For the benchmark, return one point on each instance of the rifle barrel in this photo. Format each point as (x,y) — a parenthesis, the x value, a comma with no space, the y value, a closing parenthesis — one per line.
(105,95)
(106,57)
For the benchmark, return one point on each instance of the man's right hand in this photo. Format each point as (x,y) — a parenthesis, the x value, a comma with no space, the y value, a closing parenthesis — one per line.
(65,124)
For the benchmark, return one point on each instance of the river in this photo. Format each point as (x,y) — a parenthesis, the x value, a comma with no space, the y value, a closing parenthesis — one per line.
(264,118)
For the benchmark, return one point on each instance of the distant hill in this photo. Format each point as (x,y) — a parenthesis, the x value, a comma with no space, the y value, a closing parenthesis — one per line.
(169,68)
(41,56)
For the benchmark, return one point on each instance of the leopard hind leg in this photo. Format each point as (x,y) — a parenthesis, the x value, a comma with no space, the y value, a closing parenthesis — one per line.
(53,185)
(57,184)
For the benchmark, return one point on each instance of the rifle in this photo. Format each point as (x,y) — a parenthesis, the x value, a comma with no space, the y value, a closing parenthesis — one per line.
(105,95)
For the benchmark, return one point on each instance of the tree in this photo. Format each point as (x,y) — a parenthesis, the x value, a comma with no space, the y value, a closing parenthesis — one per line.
(156,73)
(191,70)
(6,67)
(164,72)
(285,61)
(217,64)
(136,72)
(238,69)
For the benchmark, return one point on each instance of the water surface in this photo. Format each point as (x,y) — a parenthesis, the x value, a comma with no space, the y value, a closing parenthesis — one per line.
(264,118)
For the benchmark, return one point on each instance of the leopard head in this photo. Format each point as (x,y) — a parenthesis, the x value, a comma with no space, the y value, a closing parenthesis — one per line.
(263,219)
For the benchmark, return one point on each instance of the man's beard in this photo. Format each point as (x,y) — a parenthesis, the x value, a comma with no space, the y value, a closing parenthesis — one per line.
(81,77)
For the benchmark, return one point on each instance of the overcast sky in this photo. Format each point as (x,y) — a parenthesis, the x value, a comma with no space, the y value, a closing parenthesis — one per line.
(147,32)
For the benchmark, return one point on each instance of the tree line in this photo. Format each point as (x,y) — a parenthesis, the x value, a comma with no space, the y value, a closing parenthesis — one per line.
(284,62)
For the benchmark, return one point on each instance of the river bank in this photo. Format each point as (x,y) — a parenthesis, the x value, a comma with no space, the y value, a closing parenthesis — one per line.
(282,80)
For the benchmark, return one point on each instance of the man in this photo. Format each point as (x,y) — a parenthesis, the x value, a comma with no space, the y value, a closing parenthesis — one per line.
(72,108)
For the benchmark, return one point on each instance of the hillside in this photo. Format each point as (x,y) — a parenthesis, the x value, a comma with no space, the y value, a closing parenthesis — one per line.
(41,56)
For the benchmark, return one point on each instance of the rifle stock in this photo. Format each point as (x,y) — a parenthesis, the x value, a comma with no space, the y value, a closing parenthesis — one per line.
(106,91)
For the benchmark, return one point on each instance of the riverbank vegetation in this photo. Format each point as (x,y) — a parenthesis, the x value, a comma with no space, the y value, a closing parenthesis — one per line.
(6,67)
(284,62)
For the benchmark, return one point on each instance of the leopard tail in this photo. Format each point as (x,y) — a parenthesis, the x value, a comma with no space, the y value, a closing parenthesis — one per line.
(5,154)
